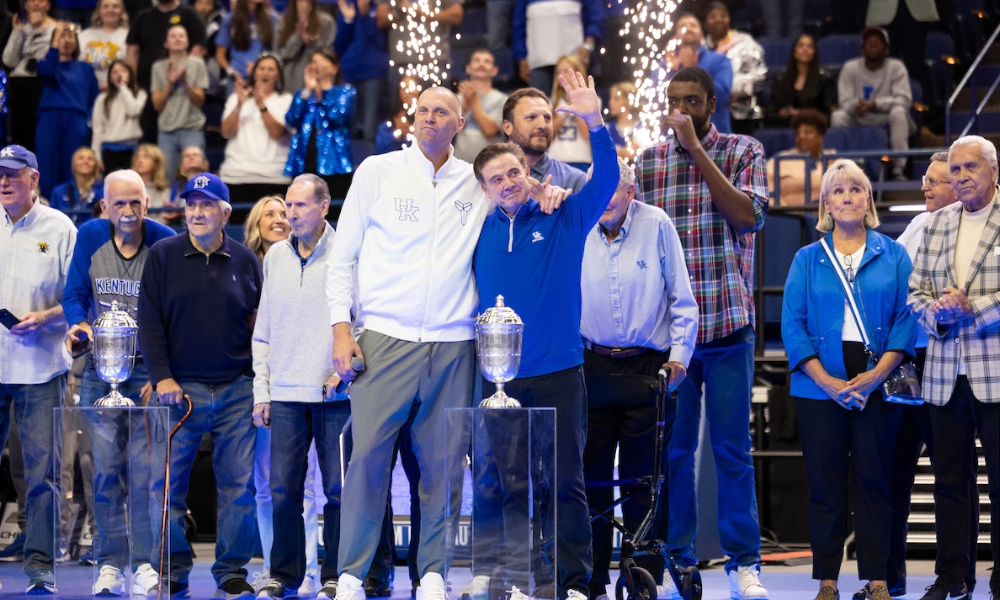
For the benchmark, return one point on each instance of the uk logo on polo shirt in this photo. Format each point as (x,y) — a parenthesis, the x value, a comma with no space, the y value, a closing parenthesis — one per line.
(201,183)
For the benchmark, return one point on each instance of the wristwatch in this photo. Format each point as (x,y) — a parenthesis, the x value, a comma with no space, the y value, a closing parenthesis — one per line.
(589,46)
(263,110)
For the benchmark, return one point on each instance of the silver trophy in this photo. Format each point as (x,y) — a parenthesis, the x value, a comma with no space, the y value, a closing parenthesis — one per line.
(498,343)
(114,352)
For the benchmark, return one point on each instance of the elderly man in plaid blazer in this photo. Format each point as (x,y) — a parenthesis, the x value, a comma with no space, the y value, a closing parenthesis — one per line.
(955,294)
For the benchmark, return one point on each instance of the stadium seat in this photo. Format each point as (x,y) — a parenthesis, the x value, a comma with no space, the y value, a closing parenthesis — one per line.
(835,50)
(776,52)
(775,139)
(861,138)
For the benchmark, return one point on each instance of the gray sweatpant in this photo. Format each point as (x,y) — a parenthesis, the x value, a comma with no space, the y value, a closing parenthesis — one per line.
(437,376)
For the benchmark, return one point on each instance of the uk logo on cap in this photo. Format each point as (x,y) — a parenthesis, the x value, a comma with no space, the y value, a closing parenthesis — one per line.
(200,182)
(7,152)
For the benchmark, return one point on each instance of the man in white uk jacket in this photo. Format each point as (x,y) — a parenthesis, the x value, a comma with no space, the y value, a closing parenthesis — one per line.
(408,229)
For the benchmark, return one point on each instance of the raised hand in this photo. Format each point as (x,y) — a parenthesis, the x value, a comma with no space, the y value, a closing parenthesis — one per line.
(581,98)
(347,10)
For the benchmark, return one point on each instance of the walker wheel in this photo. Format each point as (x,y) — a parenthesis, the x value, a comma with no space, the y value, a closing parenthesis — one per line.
(645,586)
(690,583)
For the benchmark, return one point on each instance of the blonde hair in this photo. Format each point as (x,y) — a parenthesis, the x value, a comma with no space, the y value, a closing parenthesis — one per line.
(839,172)
(557,91)
(251,229)
(95,19)
(159,165)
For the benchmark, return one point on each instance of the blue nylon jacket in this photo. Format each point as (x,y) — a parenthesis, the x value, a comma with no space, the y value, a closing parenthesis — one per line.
(812,315)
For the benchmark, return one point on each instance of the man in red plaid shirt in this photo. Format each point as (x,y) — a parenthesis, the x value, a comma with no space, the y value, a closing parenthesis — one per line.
(714,188)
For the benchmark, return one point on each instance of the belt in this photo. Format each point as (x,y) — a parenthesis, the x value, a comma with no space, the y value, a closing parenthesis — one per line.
(615,352)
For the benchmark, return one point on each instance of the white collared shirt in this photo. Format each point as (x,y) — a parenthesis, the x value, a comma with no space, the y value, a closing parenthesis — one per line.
(35,255)
(636,289)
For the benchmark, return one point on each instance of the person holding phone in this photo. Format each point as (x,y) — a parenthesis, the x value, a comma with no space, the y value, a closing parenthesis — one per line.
(36,247)
(107,266)
(295,385)
(847,426)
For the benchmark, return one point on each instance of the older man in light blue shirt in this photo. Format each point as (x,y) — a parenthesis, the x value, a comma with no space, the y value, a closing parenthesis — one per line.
(36,248)
(639,315)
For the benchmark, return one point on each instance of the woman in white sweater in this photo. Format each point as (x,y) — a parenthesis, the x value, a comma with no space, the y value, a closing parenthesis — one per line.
(116,119)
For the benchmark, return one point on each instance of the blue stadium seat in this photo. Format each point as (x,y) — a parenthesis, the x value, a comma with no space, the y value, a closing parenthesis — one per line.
(235,233)
(360,150)
(473,22)
(835,50)
(939,44)
(775,139)
(504,58)
(776,52)
(861,138)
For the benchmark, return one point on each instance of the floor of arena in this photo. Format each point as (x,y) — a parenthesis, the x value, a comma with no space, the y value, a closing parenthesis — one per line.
(784,583)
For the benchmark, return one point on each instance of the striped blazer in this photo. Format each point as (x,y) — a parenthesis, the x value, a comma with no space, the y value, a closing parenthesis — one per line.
(976,340)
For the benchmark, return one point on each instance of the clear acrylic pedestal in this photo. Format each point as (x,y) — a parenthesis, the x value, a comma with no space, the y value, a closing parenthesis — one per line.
(119,453)
(512,527)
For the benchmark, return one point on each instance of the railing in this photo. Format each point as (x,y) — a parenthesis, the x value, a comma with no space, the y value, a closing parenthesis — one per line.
(239,206)
(969,75)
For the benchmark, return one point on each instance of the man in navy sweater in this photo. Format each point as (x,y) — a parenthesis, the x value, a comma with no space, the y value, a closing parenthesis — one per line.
(199,300)
(534,261)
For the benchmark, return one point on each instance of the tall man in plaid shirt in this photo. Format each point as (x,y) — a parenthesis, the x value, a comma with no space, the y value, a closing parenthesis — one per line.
(955,293)
(714,188)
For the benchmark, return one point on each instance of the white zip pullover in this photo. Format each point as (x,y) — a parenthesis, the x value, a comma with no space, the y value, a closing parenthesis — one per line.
(411,233)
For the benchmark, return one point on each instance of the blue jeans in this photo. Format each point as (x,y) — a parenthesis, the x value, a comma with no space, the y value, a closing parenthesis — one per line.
(498,23)
(223,411)
(173,143)
(294,426)
(371,109)
(121,457)
(725,366)
(33,406)
(542,78)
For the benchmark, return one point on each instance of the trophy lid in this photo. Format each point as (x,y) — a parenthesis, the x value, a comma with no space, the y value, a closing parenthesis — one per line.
(115,318)
(499,315)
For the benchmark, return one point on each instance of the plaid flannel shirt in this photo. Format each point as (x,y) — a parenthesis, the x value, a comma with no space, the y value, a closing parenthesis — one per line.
(973,340)
(719,259)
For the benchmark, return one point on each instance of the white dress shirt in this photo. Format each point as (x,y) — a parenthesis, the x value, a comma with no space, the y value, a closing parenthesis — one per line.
(636,290)
(35,254)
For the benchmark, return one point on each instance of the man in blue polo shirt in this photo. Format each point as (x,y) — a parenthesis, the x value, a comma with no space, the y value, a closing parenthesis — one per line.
(199,300)
(534,261)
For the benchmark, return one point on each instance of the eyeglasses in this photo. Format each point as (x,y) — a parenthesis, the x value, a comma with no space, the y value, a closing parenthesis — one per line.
(933,182)
(849,268)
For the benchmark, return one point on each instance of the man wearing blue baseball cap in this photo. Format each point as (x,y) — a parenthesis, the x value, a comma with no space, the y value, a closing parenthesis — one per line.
(196,314)
(36,248)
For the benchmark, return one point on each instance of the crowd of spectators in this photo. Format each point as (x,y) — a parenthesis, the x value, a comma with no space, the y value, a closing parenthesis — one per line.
(272,89)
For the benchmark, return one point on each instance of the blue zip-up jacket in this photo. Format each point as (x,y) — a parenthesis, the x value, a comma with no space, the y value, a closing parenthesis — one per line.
(331,118)
(592,13)
(812,315)
(98,263)
(535,260)
(65,196)
(69,85)
(363,48)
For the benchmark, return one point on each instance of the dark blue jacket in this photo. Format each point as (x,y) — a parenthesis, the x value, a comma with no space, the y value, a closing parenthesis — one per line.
(69,85)
(331,119)
(363,48)
(812,314)
(535,260)
(65,196)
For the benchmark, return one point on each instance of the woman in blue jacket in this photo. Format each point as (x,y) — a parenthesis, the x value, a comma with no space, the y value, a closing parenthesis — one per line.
(321,115)
(846,425)
(64,111)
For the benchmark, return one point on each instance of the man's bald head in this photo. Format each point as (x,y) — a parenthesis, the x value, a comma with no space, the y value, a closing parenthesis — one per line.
(442,93)
(438,118)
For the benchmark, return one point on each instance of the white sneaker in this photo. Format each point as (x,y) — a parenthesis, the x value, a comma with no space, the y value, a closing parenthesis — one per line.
(575,595)
(432,587)
(350,587)
(259,581)
(110,582)
(602,597)
(478,588)
(308,587)
(516,594)
(744,584)
(144,579)
(667,590)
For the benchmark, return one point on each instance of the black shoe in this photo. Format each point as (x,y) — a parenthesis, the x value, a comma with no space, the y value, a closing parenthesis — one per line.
(939,591)
(414,584)
(89,559)
(376,589)
(42,583)
(328,591)
(233,588)
(15,551)
(172,590)
(272,590)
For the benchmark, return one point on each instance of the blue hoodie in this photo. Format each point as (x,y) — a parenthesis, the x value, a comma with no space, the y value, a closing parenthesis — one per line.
(69,85)
(535,260)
